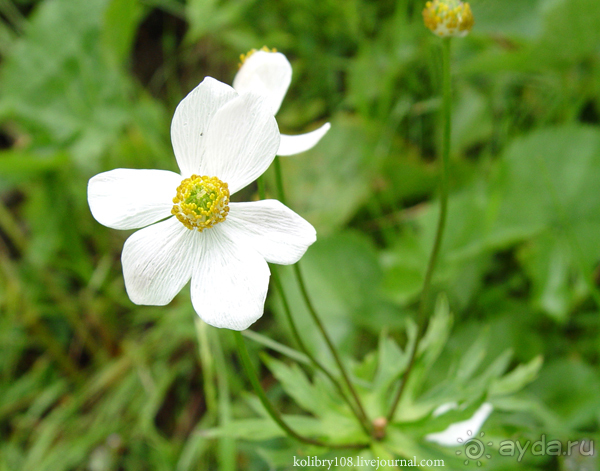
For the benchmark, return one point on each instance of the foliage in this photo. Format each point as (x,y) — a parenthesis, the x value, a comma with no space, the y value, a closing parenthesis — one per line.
(90,381)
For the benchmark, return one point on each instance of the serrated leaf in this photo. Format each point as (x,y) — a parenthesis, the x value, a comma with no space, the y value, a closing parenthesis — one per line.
(295,383)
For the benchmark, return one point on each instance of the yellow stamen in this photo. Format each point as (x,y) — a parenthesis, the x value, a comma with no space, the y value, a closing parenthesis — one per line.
(201,202)
(244,57)
(448,17)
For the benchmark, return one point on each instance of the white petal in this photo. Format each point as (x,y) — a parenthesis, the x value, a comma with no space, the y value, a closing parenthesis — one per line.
(271,228)
(241,142)
(291,145)
(230,282)
(265,73)
(158,261)
(460,432)
(129,199)
(191,120)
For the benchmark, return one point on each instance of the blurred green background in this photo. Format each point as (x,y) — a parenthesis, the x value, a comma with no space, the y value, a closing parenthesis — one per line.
(90,381)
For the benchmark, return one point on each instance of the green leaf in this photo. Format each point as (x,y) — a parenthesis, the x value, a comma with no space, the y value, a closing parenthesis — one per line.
(513,18)
(392,361)
(437,332)
(342,275)
(58,83)
(405,446)
(121,20)
(472,358)
(435,422)
(571,389)
(264,429)
(558,285)
(15,164)
(556,171)
(211,16)
(329,183)
(570,32)
(278,347)
(295,383)
(518,378)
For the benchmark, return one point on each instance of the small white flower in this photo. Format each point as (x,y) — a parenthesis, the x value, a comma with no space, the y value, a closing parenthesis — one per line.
(270,73)
(222,142)
(459,432)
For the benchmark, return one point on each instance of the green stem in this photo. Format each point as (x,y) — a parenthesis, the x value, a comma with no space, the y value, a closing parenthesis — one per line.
(253,377)
(262,193)
(447,116)
(207,364)
(362,416)
(286,307)
(311,309)
(279,180)
(226,447)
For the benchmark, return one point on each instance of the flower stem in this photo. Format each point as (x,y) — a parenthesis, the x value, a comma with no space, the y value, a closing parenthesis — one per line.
(447,117)
(286,307)
(279,180)
(362,416)
(262,193)
(253,377)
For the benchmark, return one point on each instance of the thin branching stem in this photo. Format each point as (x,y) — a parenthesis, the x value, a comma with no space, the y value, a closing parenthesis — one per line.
(356,409)
(273,413)
(362,415)
(447,117)
(312,358)
(313,313)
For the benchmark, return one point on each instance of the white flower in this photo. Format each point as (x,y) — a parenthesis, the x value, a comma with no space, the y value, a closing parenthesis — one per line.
(460,432)
(222,142)
(270,73)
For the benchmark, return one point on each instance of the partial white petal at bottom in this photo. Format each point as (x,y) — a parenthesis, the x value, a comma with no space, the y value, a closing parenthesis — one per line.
(271,228)
(291,145)
(158,261)
(230,282)
(460,432)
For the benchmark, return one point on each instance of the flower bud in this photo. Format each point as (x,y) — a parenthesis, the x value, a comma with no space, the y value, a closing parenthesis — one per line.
(448,18)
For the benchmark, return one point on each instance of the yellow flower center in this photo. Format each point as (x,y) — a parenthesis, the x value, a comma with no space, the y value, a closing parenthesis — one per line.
(448,17)
(201,202)
(244,57)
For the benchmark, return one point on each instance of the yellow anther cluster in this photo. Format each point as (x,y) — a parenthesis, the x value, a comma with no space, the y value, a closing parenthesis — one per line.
(448,17)
(244,57)
(201,202)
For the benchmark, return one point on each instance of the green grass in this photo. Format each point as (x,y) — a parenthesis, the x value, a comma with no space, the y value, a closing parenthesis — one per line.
(90,381)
